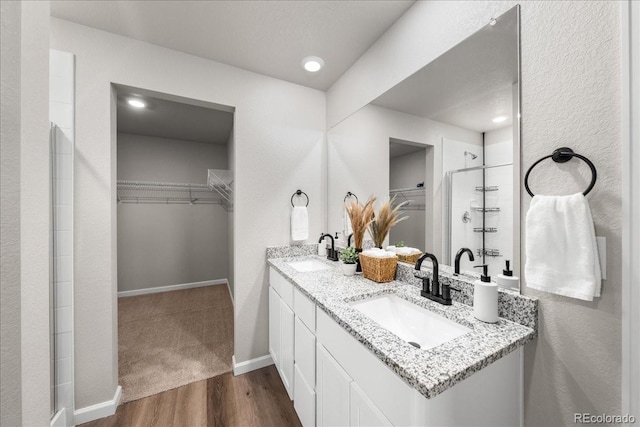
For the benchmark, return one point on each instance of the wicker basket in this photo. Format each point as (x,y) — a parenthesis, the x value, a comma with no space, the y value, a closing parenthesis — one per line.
(411,259)
(379,270)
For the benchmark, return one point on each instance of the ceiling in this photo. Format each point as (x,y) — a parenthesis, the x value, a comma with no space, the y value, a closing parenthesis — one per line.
(467,86)
(267,37)
(164,118)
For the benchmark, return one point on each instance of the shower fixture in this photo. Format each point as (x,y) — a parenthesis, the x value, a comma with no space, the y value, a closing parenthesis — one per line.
(469,153)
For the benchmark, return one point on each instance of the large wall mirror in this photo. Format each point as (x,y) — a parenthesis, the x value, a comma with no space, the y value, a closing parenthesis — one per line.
(447,139)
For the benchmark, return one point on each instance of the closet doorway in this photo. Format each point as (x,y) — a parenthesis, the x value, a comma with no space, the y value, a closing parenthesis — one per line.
(175,240)
(409,182)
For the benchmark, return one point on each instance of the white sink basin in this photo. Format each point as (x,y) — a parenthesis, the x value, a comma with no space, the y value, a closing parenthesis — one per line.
(410,322)
(308,265)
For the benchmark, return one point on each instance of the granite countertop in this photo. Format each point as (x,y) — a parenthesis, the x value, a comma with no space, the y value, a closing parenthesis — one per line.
(430,371)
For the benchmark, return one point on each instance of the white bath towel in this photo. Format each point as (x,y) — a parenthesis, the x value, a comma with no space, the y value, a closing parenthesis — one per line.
(346,223)
(299,223)
(562,255)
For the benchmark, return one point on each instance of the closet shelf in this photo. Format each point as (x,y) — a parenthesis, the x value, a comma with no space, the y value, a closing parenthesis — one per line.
(220,181)
(414,191)
(166,193)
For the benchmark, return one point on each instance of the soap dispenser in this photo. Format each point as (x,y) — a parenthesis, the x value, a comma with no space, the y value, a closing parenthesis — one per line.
(485,297)
(507,279)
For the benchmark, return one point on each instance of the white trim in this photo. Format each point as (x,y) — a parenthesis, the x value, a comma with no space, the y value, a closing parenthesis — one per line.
(630,94)
(233,303)
(136,292)
(99,410)
(59,419)
(250,365)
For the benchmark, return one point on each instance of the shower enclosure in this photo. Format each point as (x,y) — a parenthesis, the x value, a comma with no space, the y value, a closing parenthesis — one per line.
(478,214)
(61,272)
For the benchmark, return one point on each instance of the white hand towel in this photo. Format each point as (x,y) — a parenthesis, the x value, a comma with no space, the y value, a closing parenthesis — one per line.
(562,255)
(299,223)
(346,223)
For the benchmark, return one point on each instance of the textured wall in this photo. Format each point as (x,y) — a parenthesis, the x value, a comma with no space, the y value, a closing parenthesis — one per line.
(10,390)
(34,213)
(570,96)
(159,244)
(278,136)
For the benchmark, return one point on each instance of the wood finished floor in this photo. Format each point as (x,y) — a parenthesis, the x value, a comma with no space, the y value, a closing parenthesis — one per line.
(257,398)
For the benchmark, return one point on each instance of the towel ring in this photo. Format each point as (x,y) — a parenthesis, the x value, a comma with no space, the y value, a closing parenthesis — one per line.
(563,155)
(350,194)
(299,193)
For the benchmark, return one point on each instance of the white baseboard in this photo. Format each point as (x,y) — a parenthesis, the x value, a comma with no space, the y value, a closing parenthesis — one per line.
(136,292)
(251,365)
(99,410)
(59,419)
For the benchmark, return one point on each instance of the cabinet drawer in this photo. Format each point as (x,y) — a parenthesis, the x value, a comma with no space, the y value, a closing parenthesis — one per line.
(304,400)
(305,354)
(282,286)
(305,309)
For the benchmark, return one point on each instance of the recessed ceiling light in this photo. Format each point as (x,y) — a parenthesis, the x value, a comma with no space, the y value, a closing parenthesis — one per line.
(499,119)
(136,103)
(312,64)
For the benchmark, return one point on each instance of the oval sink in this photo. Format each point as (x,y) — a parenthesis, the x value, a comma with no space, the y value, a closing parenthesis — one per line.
(308,265)
(416,325)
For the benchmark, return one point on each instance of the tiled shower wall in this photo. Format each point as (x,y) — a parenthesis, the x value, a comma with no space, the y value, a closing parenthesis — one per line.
(62,114)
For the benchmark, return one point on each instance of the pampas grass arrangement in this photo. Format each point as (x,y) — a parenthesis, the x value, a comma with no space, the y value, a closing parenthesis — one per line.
(387,217)
(361,217)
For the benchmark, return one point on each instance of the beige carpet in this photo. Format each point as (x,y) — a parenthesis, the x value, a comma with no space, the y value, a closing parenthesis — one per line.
(170,339)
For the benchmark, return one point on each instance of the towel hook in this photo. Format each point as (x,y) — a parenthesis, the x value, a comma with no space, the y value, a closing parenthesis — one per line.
(350,194)
(563,155)
(299,193)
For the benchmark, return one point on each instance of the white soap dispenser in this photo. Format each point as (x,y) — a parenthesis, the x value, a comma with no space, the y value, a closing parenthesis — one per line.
(485,298)
(507,279)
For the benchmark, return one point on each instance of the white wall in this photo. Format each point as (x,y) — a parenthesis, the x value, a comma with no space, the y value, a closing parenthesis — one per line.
(10,333)
(61,113)
(359,160)
(570,96)
(25,393)
(278,136)
(169,244)
(231,162)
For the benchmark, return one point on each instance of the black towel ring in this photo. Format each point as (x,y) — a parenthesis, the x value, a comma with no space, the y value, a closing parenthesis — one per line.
(299,193)
(350,194)
(562,155)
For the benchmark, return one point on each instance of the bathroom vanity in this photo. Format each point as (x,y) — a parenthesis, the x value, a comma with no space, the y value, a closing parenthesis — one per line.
(342,367)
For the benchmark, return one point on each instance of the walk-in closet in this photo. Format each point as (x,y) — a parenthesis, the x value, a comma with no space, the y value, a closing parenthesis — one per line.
(175,241)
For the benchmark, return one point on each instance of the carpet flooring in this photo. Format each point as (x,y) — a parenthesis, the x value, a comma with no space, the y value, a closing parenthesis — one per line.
(169,339)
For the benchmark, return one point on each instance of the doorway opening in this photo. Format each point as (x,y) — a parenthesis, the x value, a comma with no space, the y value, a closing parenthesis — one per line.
(175,162)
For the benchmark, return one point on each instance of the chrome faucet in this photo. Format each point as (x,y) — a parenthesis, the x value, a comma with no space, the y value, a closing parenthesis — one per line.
(432,290)
(456,264)
(332,254)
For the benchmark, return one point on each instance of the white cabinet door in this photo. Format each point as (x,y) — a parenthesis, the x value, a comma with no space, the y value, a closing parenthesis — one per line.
(305,353)
(304,400)
(286,346)
(274,326)
(332,391)
(363,412)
